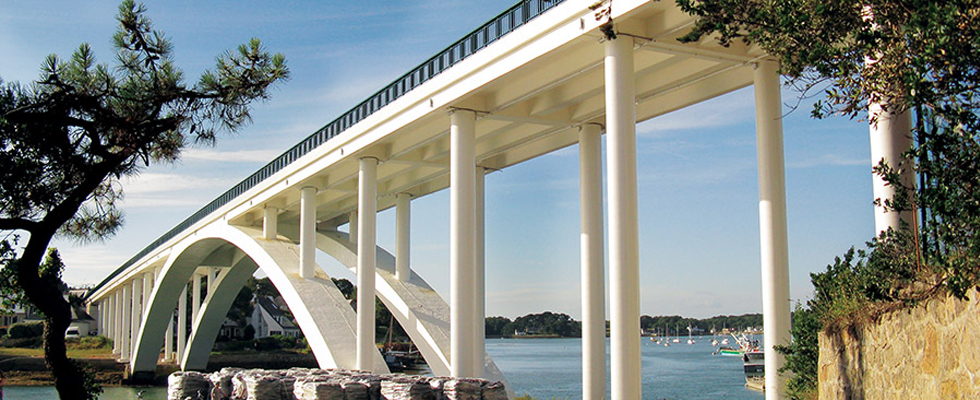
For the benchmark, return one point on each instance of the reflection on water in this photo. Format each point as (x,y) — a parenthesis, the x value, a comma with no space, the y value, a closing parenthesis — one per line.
(551,368)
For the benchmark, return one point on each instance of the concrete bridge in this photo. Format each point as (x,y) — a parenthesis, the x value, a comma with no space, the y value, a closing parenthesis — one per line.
(542,76)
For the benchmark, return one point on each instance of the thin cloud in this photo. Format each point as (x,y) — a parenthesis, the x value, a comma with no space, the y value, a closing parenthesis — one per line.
(237,156)
(828,160)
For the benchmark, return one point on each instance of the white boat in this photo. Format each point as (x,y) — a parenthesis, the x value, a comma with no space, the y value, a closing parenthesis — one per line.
(754,364)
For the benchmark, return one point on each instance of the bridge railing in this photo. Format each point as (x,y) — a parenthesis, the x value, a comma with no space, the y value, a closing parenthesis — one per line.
(504,23)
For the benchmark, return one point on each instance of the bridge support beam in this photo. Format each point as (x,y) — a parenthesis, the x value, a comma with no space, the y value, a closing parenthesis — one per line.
(117,322)
(479,275)
(168,341)
(462,177)
(624,269)
(147,291)
(195,297)
(403,233)
(772,222)
(182,323)
(270,223)
(307,233)
(367,206)
(127,304)
(593,276)
(352,227)
(137,312)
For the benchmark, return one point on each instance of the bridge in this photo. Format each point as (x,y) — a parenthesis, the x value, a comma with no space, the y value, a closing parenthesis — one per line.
(542,76)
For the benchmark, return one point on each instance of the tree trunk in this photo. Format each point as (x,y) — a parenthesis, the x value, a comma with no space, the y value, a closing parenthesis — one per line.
(45,294)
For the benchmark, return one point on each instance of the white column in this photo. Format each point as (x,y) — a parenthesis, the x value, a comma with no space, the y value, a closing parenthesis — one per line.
(479,276)
(462,177)
(403,233)
(147,292)
(367,206)
(168,341)
(137,312)
(195,298)
(117,322)
(890,137)
(772,223)
(181,324)
(353,227)
(624,271)
(593,277)
(270,223)
(212,276)
(307,233)
(127,305)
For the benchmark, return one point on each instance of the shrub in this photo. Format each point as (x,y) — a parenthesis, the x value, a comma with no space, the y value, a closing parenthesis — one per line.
(26,330)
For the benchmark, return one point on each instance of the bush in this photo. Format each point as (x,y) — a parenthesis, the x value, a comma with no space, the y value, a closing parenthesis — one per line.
(92,342)
(268,343)
(26,330)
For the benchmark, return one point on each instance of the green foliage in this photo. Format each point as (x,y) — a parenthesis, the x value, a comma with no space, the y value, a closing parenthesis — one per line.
(673,322)
(25,330)
(92,342)
(498,326)
(803,353)
(547,323)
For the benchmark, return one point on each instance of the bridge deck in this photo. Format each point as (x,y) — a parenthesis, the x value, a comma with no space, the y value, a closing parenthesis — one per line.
(533,75)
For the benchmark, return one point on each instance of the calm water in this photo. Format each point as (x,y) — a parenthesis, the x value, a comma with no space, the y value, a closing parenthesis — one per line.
(551,368)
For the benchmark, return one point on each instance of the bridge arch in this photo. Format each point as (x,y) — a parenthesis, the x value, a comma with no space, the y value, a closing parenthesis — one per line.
(321,311)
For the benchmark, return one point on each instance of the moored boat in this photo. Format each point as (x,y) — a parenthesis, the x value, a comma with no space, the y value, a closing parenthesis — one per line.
(754,363)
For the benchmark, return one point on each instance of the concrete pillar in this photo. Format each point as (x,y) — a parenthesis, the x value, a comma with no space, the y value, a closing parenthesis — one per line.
(168,341)
(270,223)
(593,276)
(624,270)
(462,178)
(890,137)
(147,292)
(181,324)
(137,312)
(772,223)
(307,233)
(117,322)
(195,298)
(367,206)
(127,306)
(353,227)
(403,233)
(479,276)
(212,276)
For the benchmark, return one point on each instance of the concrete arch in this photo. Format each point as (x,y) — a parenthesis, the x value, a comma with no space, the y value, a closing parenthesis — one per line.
(324,316)
(418,308)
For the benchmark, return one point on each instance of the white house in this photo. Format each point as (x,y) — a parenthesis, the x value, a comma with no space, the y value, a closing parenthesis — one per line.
(268,319)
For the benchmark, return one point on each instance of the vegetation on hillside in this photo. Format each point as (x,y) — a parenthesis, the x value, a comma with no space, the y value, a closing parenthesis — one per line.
(917,56)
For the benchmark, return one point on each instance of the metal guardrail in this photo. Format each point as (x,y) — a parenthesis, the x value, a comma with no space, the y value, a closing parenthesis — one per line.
(504,23)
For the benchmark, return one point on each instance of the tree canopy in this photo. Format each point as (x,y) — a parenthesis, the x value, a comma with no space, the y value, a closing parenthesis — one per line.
(67,138)
(920,56)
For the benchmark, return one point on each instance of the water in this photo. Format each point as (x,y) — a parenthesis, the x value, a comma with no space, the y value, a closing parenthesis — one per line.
(551,369)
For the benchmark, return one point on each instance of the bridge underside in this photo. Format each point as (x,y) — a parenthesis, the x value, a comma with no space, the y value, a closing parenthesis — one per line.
(555,81)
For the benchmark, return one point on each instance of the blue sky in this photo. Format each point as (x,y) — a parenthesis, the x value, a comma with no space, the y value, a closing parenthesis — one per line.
(698,188)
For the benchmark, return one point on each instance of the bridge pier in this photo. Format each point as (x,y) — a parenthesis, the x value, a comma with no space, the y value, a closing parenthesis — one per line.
(136,312)
(624,268)
(124,337)
(593,276)
(307,232)
(479,275)
(772,222)
(367,206)
(117,322)
(182,323)
(462,240)
(403,234)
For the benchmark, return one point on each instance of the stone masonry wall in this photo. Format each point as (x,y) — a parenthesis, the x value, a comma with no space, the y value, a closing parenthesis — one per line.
(932,352)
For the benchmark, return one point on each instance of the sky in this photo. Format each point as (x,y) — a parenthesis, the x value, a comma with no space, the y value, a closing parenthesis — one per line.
(697,171)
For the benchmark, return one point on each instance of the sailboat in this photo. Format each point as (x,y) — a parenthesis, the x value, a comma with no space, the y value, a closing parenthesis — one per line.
(690,340)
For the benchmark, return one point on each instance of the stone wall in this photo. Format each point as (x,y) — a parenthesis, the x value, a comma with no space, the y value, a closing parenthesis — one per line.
(931,352)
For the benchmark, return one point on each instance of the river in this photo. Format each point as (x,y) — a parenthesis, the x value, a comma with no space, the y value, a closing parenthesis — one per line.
(551,368)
